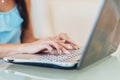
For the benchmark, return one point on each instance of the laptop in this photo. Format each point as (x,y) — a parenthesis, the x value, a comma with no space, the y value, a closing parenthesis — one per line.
(102,41)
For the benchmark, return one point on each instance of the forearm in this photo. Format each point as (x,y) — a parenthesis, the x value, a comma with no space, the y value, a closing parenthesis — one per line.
(9,49)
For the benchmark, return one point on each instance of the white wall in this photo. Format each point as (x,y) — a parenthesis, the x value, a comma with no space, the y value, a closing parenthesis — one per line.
(40,18)
(75,17)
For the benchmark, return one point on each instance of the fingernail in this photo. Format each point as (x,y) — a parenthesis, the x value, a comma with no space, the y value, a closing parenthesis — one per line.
(60,51)
(70,47)
(67,52)
(76,48)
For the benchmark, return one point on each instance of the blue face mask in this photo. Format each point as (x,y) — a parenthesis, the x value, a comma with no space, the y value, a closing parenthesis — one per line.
(10,20)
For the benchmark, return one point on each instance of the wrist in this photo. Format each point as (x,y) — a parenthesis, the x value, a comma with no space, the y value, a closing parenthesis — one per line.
(22,48)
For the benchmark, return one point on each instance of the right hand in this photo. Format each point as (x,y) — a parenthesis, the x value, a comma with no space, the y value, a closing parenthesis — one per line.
(41,46)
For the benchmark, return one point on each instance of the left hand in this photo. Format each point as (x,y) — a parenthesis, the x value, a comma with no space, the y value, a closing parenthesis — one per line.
(64,40)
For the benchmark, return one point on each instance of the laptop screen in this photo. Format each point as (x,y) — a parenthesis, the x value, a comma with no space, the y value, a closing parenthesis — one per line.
(101,42)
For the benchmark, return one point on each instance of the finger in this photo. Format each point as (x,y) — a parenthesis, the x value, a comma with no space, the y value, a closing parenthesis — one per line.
(64,37)
(54,44)
(63,50)
(74,45)
(66,46)
(55,52)
(46,48)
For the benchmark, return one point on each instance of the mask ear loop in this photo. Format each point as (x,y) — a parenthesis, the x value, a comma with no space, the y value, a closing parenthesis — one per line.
(3,1)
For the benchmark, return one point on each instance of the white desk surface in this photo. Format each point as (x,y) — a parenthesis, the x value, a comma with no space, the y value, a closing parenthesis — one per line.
(105,69)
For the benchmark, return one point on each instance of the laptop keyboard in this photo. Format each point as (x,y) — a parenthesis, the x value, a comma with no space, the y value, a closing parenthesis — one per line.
(58,58)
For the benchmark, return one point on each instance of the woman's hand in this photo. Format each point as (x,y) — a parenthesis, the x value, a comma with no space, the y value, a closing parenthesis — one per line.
(44,45)
(64,40)
(54,45)
(39,46)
